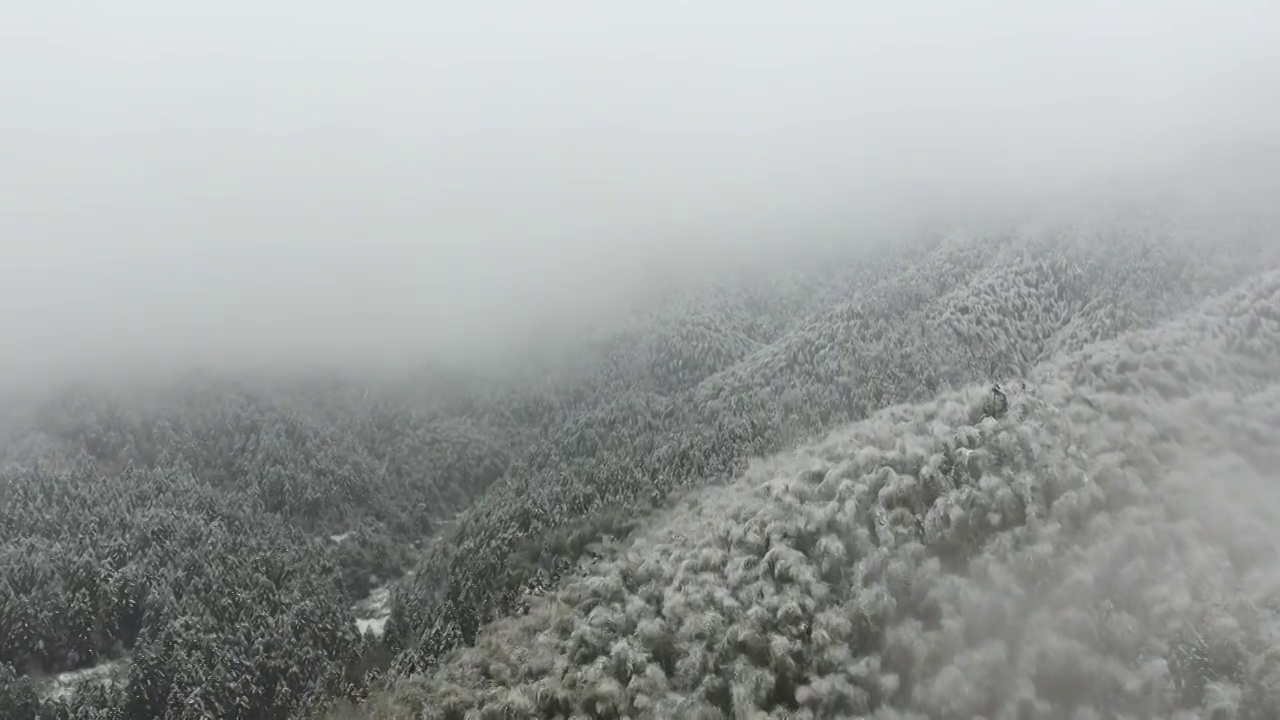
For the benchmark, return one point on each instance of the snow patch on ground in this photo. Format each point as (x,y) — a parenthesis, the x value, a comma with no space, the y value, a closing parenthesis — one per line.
(371,626)
(65,685)
(372,612)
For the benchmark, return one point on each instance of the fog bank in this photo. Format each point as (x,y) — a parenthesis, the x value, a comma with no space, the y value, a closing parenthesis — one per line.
(326,183)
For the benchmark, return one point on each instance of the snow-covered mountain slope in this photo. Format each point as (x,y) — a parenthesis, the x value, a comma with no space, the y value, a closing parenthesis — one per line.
(1102,543)
(931,317)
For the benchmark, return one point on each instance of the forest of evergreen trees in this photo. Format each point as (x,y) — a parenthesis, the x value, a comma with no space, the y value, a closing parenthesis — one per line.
(780,493)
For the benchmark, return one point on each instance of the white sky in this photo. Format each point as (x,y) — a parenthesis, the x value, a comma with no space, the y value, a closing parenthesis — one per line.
(361,181)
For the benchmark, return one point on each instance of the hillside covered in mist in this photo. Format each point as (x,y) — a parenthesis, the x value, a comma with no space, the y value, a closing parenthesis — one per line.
(1018,472)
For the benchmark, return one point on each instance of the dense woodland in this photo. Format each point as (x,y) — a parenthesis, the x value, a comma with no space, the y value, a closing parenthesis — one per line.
(958,476)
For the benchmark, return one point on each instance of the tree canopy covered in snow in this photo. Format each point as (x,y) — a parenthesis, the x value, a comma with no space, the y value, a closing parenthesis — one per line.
(1023,473)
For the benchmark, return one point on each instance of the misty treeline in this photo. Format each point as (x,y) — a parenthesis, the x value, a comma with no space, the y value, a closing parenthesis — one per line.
(1098,544)
(192,534)
(600,536)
